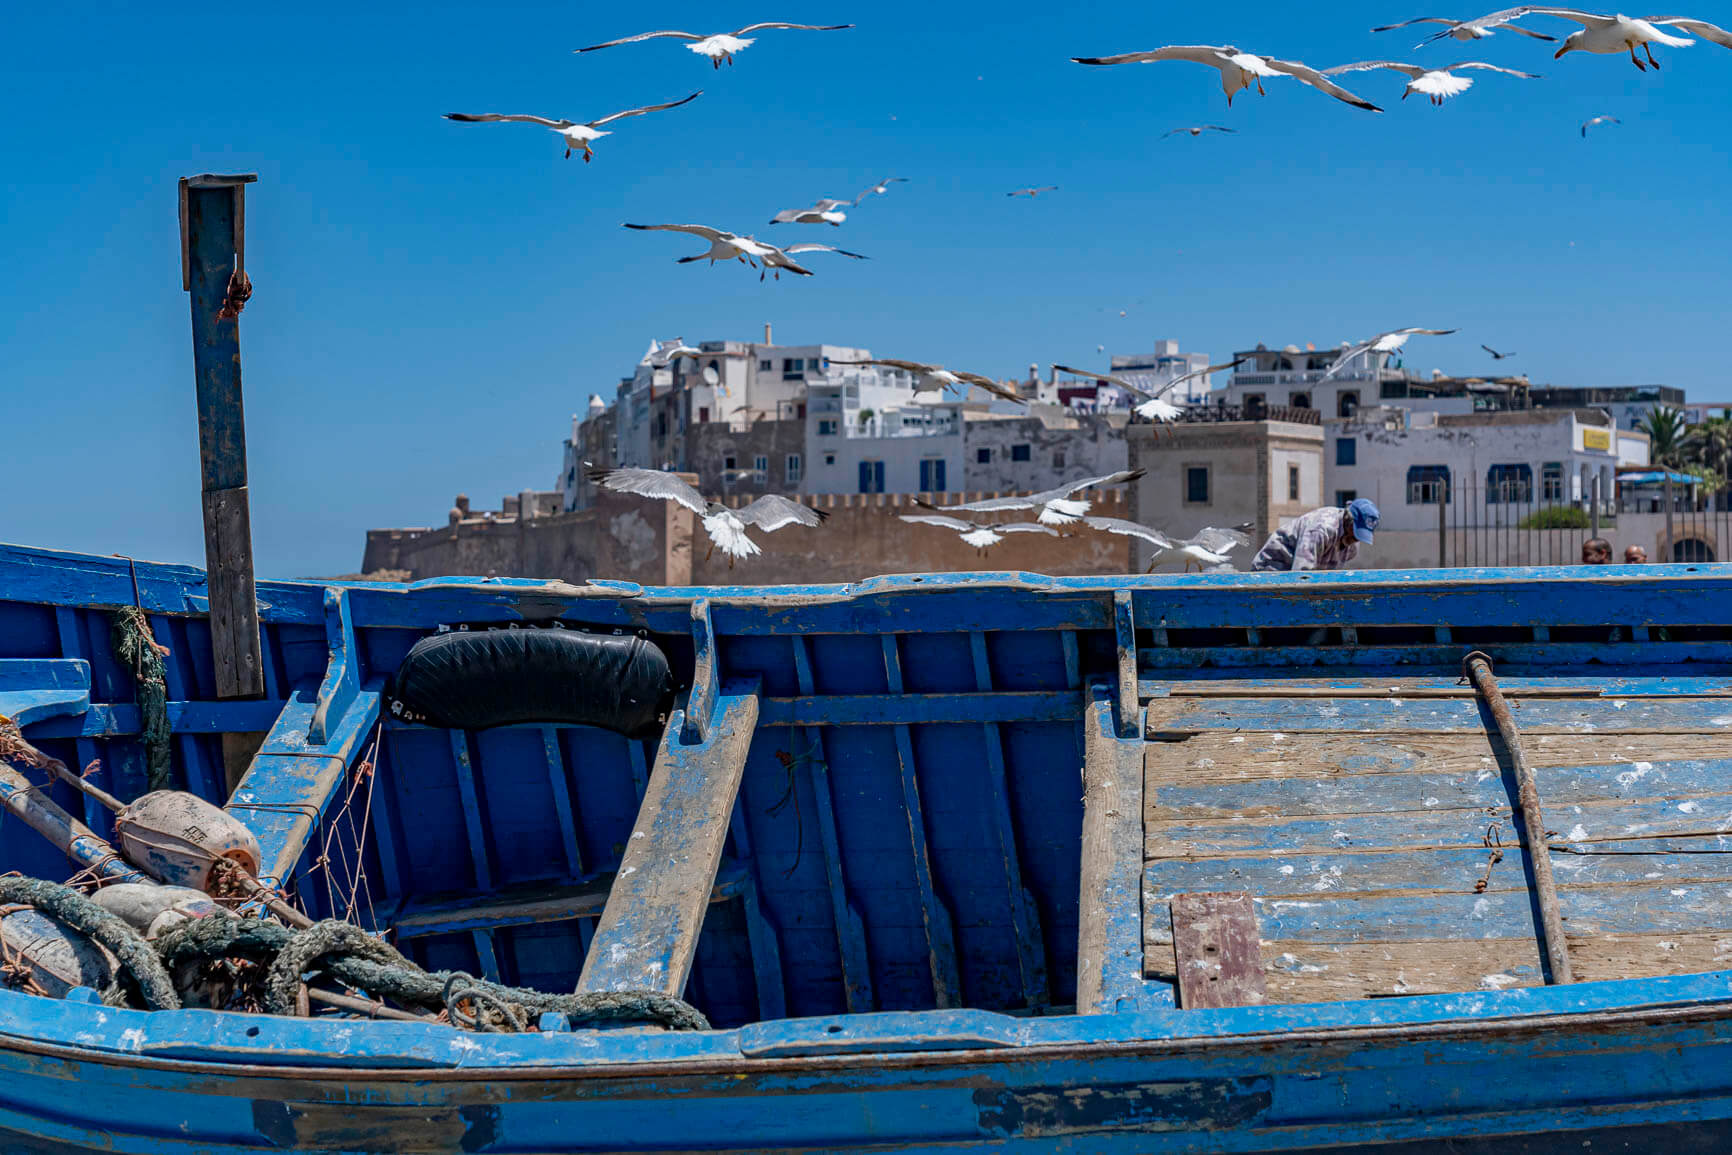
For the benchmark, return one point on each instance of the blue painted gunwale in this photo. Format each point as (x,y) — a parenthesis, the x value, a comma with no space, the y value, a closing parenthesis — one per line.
(937,1079)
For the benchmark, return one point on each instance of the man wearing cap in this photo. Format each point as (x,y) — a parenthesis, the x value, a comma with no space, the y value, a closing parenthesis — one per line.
(1322,539)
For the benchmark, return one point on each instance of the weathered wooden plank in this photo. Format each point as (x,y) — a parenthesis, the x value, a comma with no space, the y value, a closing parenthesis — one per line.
(1541,658)
(1110,918)
(1401,715)
(706,686)
(1217,756)
(648,935)
(1623,685)
(1125,640)
(1217,950)
(474,822)
(1486,786)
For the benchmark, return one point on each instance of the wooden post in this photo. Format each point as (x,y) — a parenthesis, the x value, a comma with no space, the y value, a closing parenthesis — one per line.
(213,269)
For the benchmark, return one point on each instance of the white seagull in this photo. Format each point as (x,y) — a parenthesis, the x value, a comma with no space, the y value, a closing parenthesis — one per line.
(1608,35)
(724,246)
(726,527)
(666,352)
(1382,343)
(1032,192)
(1598,120)
(1057,506)
(881,187)
(942,378)
(1463,30)
(1209,547)
(576,135)
(1239,70)
(827,211)
(1437,83)
(776,258)
(718,46)
(1197,130)
(1154,408)
(978,534)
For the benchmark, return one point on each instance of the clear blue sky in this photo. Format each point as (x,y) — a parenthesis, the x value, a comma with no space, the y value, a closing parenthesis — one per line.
(434,300)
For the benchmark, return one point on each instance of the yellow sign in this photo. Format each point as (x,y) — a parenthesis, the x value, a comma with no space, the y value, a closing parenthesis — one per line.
(1600,439)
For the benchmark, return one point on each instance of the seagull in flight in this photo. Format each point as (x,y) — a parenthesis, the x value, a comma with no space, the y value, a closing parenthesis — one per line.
(666,352)
(1437,83)
(576,135)
(724,246)
(1382,343)
(941,377)
(1496,356)
(718,46)
(881,187)
(1598,120)
(978,534)
(827,211)
(1239,70)
(1462,30)
(1154,408)
(1032,192)
(1056,506)
(725,527)
(1209,547)
(1608,35)
(777,258)
(1197,130)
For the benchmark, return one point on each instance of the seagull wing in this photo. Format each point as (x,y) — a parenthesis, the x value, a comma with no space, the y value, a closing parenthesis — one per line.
(704,231)
(892,363)
(1416,20)
(889,180)
(940,520)
(1218,540)
(652,483)
(1195,53)
(1025,527)
(644,109)
(988,384)
(1480,64)
(772,511)
(1367,65)
(1107,377)
(1195,373)
(1218,128)
(1129,529)
(1308,75)
(642,36)
(809,247)
(1502,18)
(1091,482)
(490,117)
(994,504)
(788,216)
(1701,28)
(797,27)
(1347,355)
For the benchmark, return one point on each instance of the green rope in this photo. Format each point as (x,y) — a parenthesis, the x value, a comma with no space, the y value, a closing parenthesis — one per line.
(134,645)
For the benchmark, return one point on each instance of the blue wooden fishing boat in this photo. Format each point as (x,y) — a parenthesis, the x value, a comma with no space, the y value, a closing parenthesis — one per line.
(1220,862)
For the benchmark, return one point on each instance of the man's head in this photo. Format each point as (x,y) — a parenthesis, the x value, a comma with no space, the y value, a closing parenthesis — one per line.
(1596,551)
(1362,518)
(1635,555)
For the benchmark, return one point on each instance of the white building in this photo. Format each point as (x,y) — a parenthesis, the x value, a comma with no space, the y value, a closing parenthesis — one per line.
(868,431)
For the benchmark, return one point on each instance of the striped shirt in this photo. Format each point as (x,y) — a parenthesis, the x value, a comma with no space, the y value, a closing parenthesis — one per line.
(1321,539)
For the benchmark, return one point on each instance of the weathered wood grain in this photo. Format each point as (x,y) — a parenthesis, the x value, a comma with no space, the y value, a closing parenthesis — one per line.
(1217,950)
(1112,832)
(1441,715)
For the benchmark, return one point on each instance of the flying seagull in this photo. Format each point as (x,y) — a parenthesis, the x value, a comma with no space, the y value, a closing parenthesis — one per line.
(1461,30)
(719,46)
(1197,130)
(881,187)
(1154,408)
(1208,547)
(1496,356)
(1606,35)
(941,377)
(1382,343)
(1057,506)
(666,352)
(1032,192)
(1239,70)
(778,258)
(1437,83)
(827,211)
(978,534)
(1587,124)
(726,527)
(576,135)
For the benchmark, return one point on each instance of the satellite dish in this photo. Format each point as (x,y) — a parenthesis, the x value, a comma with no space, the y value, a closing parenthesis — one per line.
(711,377)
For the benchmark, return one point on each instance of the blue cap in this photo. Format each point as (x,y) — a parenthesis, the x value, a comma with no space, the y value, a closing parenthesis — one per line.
(1365,517)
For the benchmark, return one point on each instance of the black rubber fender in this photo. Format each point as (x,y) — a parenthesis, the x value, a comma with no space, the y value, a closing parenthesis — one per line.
(474,680)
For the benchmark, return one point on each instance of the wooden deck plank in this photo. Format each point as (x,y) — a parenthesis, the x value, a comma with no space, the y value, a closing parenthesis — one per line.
(1440,715)
(1217,951)
(1437,686)
(1110,914)
(648,935)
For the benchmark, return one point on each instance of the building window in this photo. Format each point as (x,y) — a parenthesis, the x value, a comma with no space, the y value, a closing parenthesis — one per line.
(1347,451)
(871,477)
(1196,485)
(1292,483)
(1300,401)
(1428,484)
(791,469)
(829,459)
(827,427)
(1505,484)
(1347,403)
(1552,481)
(983,457)
(1020,453)
(800,410)
(728,461)
(932,475)
(793,368)
(1058,459)
(760,469)
(1345,497)
(703,414)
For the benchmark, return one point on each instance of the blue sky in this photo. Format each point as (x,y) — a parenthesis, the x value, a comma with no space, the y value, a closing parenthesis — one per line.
(433,300)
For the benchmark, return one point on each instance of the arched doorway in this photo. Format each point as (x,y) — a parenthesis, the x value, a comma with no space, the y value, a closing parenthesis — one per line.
(1692,549)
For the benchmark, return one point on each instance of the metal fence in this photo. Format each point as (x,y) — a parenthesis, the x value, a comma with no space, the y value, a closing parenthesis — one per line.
(1515,525)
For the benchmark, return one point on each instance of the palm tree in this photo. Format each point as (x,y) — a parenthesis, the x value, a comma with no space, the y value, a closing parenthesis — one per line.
(1709,446)
(1665,428)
